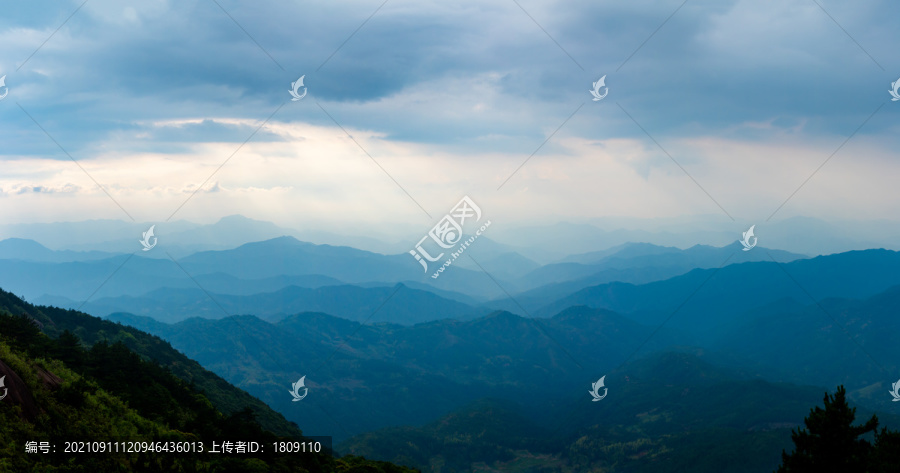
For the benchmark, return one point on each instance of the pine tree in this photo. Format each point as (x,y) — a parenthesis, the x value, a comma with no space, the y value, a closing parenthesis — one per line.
(68,349)
(830,442)
(886,457)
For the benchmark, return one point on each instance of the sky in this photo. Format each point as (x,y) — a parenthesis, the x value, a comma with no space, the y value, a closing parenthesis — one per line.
(154,111)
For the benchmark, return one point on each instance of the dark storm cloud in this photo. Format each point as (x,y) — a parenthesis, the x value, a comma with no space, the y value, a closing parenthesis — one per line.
(416,71)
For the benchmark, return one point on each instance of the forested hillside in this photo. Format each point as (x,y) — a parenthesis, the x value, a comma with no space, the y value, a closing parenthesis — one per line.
(99,383)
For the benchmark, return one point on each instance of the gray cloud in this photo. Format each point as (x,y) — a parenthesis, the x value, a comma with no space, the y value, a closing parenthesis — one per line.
(713,66)
(472,82)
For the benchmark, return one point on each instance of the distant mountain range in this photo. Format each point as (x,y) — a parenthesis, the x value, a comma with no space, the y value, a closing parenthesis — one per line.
(390,354)
(30,250)
(119,282)
(543,243)
(180,238)
(634,263)
(633,256)
(704,301)
(398,304)
(268,265)
(548,243)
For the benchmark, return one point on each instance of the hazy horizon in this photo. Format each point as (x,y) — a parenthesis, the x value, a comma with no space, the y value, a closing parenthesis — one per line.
(821,237)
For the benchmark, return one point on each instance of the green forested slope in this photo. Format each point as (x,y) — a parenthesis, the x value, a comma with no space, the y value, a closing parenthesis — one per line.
(91,330)
(61,390)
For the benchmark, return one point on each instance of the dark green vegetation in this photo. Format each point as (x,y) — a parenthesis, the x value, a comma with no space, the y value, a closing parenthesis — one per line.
(667,413)
(91,330)
(830,442)
(88,381)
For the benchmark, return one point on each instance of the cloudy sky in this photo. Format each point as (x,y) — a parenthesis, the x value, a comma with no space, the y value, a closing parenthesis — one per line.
(154,110)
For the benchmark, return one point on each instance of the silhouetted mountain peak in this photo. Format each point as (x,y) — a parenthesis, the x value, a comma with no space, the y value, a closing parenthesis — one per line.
(644,248)
(236,218)
(874,254)
(286,241)
(22,244)
(24,249)
(502,315)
